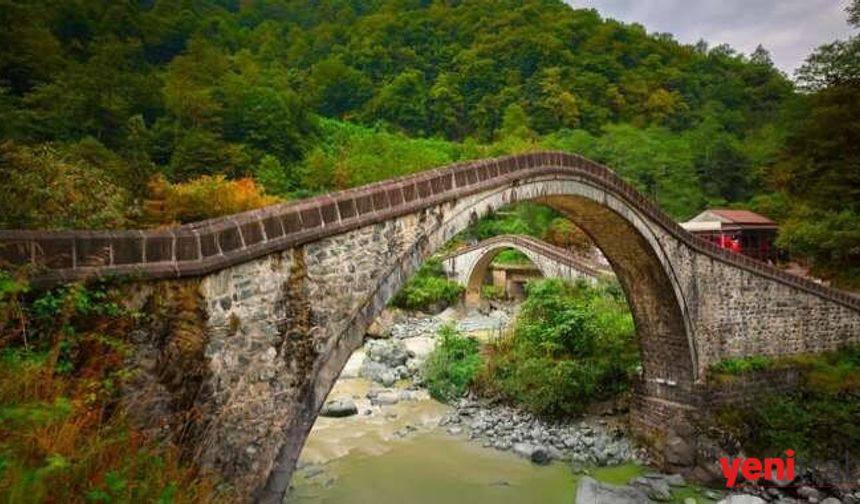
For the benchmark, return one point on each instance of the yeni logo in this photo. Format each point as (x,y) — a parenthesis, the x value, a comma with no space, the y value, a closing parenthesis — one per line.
(752,469)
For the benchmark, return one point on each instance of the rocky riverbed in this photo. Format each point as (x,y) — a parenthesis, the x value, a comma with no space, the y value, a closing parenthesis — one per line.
(477,451)
(588,442)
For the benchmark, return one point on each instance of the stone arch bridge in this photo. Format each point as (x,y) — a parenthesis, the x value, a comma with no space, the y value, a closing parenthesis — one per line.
(285,293)
(469,265)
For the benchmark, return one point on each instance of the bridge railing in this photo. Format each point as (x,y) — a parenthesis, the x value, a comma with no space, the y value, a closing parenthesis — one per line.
(206,246)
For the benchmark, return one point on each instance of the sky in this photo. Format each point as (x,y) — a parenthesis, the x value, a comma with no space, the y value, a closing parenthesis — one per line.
(789,29)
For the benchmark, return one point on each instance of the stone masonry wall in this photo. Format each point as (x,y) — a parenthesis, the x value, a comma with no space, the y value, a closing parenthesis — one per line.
(736,312)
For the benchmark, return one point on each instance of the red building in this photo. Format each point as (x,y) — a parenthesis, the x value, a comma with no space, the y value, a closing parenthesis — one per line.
(740,231)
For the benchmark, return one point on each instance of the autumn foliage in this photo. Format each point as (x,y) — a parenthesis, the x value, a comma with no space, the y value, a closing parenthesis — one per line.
(201,198)
(64,432)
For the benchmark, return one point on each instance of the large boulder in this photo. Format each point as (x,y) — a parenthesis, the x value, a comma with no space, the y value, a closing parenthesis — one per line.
(589,491)
(381,327)
(339,408)
(679,452)
(391,353)
(536,453)
(384,398)
(373,371)
(655,486)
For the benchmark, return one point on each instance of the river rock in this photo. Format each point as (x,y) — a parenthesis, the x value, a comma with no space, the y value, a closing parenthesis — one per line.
(535,453)
(391,353)
(416,326)
(373,371)
(386,398)
(679,452)
(809,493)
(675,480)
(375,330)
(589,491)
(655,486)
(388,378)
(339,408)
(382,326)
(742,499)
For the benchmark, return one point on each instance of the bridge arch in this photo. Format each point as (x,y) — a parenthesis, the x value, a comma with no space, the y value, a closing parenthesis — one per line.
(619,229)
(302,282)
(478,269)
(469,265)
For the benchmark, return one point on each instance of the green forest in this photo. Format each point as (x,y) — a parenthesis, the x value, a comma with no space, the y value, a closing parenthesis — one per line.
(155,112)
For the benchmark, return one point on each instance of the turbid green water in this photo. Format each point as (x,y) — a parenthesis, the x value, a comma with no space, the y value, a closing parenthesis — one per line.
(398,455)
(435,468)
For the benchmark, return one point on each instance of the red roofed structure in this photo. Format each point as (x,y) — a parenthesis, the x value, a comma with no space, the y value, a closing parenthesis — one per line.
(740,231)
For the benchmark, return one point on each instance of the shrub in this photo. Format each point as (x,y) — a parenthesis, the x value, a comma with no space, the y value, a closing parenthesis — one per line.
(511,256)
(493,292)
(452,366)
(819,420)
(573,344)
(525,218)
(829,241)
(426,288)
(202,198)
(64,435)
(54,187)
(738,366)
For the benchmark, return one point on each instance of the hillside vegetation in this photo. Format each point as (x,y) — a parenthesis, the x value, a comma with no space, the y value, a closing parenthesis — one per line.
(66,431)
(114,111)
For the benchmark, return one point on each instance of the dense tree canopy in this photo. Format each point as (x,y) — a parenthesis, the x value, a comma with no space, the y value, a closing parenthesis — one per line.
(314,96)
(819,169)
(220,84)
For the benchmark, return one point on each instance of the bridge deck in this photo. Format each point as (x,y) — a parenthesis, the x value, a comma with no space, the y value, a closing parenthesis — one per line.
(207,246)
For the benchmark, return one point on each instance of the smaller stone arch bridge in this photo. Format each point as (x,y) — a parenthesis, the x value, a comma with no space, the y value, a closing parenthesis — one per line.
(468,265)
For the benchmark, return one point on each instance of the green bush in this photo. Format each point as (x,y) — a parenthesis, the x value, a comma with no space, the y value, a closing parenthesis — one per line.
(493,292)
(426,288)
(511,256)
(452,366)
(820,420)
(524,218)
(573,344)
(828,240)
(55,187)
(738,366)
(61,384)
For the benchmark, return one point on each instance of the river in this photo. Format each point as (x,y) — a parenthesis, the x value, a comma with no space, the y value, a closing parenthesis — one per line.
(398,454)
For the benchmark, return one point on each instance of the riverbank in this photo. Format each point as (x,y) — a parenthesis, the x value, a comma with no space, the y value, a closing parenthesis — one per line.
(383,439)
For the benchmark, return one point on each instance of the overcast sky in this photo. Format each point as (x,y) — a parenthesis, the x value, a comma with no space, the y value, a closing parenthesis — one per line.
(789,29)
